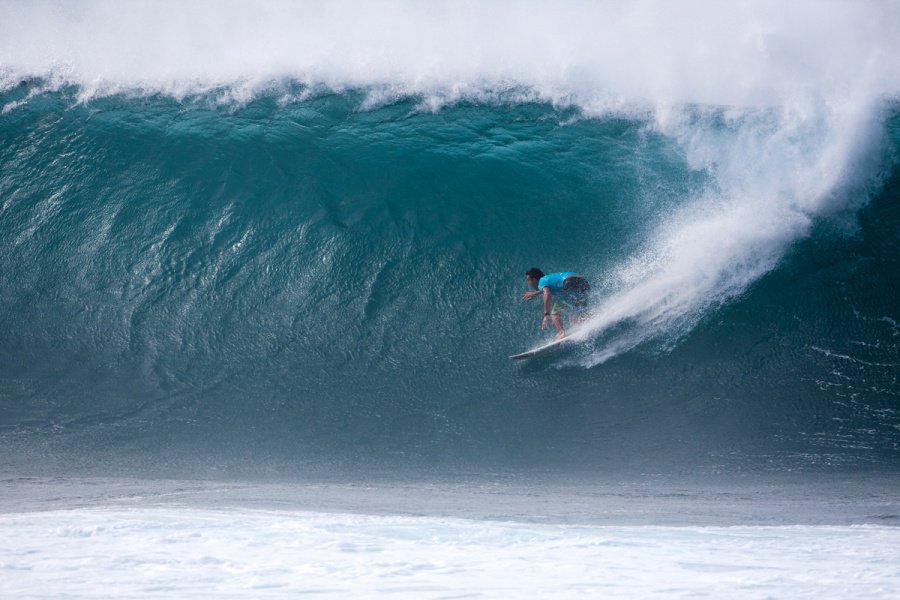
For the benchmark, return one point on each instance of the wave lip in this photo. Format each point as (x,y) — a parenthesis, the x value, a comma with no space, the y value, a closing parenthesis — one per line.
(602,56)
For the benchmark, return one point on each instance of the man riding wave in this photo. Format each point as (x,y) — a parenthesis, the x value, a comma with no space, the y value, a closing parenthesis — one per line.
(564,293)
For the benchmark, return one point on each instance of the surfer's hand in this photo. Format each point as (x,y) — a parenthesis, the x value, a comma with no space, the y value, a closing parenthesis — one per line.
(529,295)
(544,323)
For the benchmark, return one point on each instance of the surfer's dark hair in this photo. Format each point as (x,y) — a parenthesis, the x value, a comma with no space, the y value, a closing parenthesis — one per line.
(534,273)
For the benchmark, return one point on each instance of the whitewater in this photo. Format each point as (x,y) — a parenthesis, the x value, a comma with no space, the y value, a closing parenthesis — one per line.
(262,269)
(128,538)
(158,553)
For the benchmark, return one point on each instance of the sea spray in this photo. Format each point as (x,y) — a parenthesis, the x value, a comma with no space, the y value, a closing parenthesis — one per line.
(601,56)
(773,173)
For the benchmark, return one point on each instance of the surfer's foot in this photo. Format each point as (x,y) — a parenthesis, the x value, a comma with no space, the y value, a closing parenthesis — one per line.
(560,335)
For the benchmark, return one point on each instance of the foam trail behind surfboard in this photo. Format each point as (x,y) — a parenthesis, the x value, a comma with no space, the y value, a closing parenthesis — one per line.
(776,172)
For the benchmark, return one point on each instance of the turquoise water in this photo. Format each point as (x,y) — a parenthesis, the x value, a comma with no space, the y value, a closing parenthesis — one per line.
(220,270)
(318,284)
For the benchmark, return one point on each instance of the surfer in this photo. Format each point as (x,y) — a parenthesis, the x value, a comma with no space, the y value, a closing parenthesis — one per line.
(564,293)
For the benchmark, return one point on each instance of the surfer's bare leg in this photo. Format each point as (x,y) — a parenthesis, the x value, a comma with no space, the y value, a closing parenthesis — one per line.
(558,323)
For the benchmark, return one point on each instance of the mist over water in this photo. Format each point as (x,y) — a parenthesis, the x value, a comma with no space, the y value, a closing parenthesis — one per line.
(294,233)
(746,53)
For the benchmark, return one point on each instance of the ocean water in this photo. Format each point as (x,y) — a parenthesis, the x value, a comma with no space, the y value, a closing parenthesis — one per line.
(286,243)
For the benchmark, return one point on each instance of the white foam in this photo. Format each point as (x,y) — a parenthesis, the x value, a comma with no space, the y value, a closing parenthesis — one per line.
(736,53)
(775,172)
(185,553)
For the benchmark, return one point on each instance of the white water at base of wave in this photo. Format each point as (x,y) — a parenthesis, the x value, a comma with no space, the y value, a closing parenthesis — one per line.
(187,553)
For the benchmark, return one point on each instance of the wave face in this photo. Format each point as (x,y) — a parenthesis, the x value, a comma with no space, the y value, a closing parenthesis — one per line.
(308,252)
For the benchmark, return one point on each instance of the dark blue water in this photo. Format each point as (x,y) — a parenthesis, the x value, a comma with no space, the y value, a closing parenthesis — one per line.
(311,286)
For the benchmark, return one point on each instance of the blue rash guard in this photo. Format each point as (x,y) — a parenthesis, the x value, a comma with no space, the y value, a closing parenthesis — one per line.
(573,299)
(554,281)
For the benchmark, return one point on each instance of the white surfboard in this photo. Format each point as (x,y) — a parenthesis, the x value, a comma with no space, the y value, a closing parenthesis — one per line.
(550,347)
